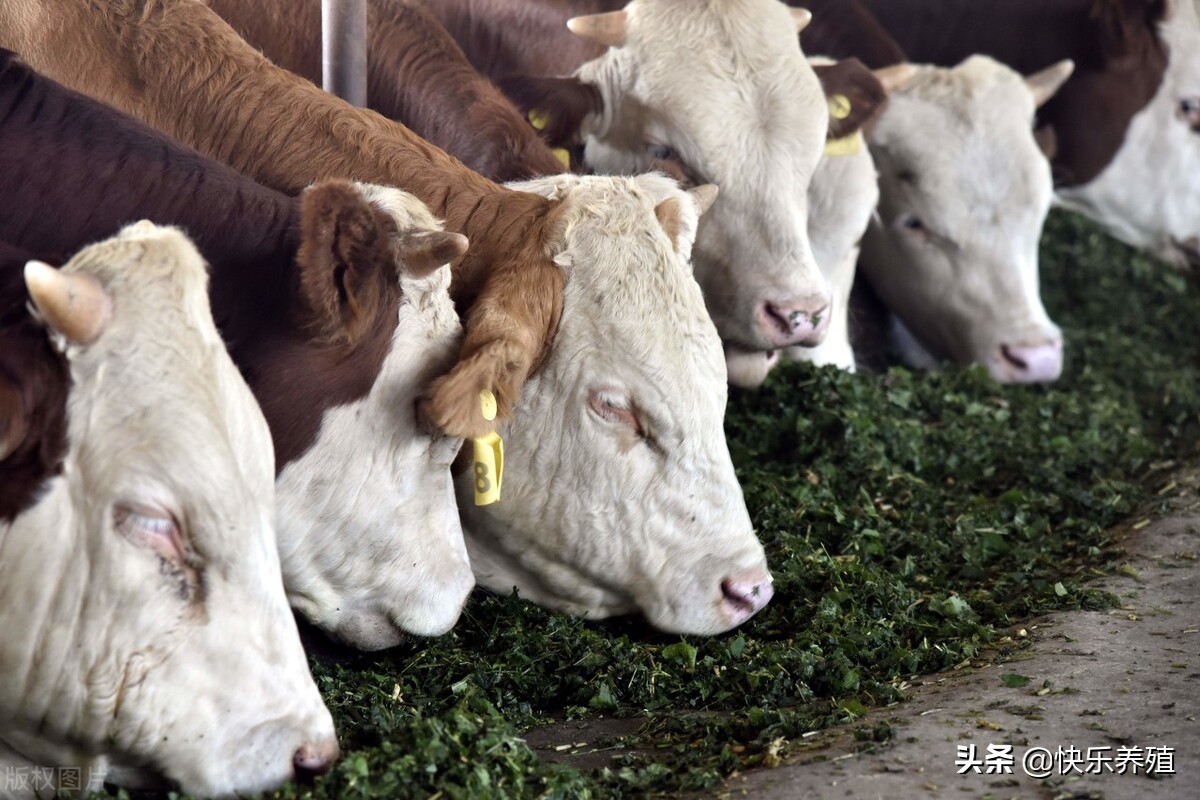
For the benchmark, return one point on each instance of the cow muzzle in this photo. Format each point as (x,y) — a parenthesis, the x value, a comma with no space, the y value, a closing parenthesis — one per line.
(1036,362)
(800,321)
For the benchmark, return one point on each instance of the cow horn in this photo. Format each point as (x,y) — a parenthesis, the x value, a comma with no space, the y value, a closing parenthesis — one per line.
(704,196)
(801,16)
(1045,83)
(895,76)
(74,304)
(607,29)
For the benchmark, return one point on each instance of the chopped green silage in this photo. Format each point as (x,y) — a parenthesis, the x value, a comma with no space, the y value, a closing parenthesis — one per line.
(908,519)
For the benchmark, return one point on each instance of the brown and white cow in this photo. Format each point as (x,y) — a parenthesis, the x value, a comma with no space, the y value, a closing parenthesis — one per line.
(337,313)
(528,250)
(1122,133)
(146,631)
(700,90)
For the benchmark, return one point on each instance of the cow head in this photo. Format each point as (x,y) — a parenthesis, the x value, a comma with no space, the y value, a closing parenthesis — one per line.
(369,533)
(147,627)
(716,92)
(1147,195)
(964,191)
(618,490)
(841,198)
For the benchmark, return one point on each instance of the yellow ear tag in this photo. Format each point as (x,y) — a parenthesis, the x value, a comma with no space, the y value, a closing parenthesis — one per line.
(840,108)
(846,146)
(489,456)
(539,121)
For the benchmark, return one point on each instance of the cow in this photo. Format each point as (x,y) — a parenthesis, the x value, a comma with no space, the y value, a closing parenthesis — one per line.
(698,89)
(841,198)
(1118,133)
(337,311)
(147,635)
(964,191)
(416,75)
(597,237)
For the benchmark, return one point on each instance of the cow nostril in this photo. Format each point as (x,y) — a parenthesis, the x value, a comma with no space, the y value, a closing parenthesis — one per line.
(735,596)
(1013,358)
(782,320)
(312,760)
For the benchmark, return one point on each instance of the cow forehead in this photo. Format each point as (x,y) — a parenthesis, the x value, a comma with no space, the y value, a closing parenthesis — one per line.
(719,77)
(627,291)
(203,421)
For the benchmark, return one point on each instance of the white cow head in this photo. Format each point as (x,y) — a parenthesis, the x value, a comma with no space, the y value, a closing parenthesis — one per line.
(369,532)
(146,627)
(618,490)
(1149,195)
(719,92)
(841,199)
(964,191)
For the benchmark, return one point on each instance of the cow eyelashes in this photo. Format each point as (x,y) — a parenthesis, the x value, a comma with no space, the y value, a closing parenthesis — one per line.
(616,409)
(158,531)
(662,152)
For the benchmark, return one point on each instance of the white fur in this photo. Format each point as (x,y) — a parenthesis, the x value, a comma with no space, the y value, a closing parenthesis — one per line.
(968,283)
(1149,195)
(725,84)
(594,520)
(103,663)
(369,532)
(841,199)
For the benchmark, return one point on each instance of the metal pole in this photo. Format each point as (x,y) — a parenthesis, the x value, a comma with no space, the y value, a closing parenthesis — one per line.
(344,49)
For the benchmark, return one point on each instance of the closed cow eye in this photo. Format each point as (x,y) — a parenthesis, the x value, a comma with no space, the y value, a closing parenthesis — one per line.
(662,152)
(158,531)
(617,409)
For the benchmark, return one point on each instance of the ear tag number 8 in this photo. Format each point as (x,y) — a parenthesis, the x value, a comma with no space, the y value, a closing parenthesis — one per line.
(489,456)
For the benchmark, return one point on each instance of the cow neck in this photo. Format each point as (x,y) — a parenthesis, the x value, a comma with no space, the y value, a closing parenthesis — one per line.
(100,170)
(844,29)
(1028,35)
(33,392)
(244,111)
(522,37)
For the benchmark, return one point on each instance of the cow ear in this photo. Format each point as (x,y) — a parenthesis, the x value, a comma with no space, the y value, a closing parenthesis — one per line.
(855,95)
(1046,82)
(565,103)
(681,230)
(423,252)
(14,419)
(509,328)
(345,260)
(72,303)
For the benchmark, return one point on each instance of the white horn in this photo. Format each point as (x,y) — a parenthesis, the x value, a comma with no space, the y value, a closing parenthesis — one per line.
(73,304)
(704,196)
(607,29)
(801,16)
(895,76)
(1045,83)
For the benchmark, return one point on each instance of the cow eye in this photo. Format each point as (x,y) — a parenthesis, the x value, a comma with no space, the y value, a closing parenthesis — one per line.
(618,409)
(661,152)
(1189,110)
(912,222)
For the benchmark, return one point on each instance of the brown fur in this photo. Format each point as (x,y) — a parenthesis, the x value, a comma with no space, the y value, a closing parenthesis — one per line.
(417,75)
(34,383)
(521,37)
(1119,58)
(73,171)
(565,102)
(850,78)
(222,97)
(343,240)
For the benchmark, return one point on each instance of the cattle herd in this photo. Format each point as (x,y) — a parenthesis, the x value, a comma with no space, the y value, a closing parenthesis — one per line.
(273,319)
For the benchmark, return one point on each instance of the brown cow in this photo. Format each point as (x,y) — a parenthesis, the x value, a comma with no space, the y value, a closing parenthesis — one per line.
(329,311)
(33,393)
(417,75)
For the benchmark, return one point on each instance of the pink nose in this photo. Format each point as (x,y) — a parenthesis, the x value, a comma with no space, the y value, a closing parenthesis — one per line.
(798,321)
(1029,363)
(744,595)
(315,758)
